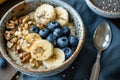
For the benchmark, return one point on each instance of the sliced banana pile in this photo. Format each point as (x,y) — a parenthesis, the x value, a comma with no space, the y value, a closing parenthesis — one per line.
(46,13)
(43,50)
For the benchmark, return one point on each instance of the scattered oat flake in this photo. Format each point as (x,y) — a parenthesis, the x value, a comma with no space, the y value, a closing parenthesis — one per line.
(64,75)
(73,68)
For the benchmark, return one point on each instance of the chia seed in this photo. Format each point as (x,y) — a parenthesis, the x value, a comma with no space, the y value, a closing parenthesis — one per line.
(108,5)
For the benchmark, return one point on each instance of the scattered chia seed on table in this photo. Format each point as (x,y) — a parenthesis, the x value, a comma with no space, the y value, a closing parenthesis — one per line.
(108,5)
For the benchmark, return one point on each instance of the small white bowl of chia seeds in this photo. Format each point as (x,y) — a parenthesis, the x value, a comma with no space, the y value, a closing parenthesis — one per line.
(105,8)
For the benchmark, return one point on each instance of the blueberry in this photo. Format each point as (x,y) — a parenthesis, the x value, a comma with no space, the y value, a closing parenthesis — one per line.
(2,63)
(68,52)
(53,25)
(34,29)
(62,42)
(66,31)
(73,40)
(44,32)
(58,32)
(51,38)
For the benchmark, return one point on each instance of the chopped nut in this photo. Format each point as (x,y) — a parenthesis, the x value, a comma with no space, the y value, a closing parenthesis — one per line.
(20,19)
(25,57)
(10,44)
(19,29)
(25,32)
(18,42)
(12,22)
(14,18)
(31,22)
(21,41)
(14,40)
(25,20)
(33,63)
(41,26)
(7,35)
(12,32)
(15,47)
(21,26)
(10,26)
(26,26)
(18,34)
(16,22)
(18,47)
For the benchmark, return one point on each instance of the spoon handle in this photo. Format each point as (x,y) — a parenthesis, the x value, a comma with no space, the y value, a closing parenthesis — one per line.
(96,68)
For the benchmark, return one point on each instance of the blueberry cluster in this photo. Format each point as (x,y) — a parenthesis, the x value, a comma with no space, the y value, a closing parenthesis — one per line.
(58,36)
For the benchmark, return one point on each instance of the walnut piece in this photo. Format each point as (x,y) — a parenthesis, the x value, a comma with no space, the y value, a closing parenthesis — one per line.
(33,63)
(25,58)
(25,20)
(10,26)
(7,35)
(14,40)
(10,44)
(18,34)
(41,26)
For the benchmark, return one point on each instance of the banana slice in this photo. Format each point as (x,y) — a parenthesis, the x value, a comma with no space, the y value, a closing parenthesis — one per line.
(42,50)
(45,14)
(56,59)
(62,16)
(32,37)
(26,47)
(29,40)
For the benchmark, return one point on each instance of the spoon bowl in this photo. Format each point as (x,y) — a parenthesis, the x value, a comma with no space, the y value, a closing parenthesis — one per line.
(102,36)
(102,39)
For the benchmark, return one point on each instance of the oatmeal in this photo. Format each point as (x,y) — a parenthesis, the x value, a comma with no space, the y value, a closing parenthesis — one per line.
(42,39)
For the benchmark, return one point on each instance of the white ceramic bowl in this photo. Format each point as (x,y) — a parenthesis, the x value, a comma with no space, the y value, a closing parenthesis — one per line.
(101,12)
(27,6)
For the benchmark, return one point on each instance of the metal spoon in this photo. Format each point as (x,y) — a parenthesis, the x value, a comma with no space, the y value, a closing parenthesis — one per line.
(102,38)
